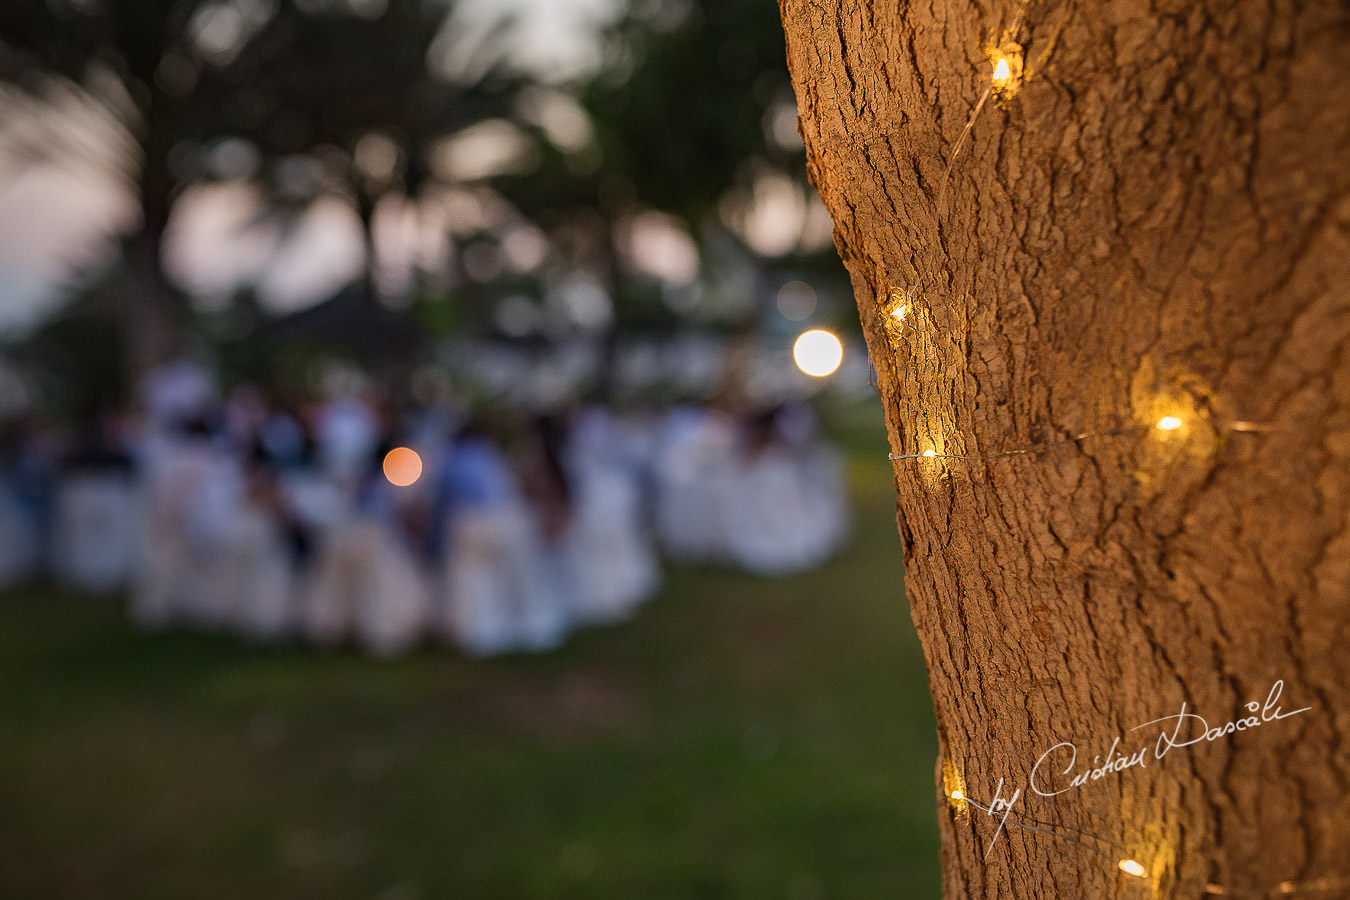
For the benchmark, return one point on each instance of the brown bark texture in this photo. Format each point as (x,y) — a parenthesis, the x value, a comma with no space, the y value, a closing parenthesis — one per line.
(1148,218)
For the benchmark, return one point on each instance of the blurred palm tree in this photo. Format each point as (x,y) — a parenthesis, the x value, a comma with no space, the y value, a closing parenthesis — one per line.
(307,98)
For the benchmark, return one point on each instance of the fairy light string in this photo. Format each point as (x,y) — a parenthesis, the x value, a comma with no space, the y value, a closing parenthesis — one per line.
(1166,423)
(1042,827)
(1133,867)
(907,315)
(1125,862)
(933,454)
(1004,80)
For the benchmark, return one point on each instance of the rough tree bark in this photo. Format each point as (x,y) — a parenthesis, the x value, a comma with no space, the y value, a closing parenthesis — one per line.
(1152,220)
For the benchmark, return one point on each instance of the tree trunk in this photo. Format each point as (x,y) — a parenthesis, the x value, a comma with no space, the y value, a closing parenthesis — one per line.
(154,312)
(1149,218)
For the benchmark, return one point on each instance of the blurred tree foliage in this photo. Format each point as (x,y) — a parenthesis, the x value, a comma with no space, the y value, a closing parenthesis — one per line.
(688,108)
(685,104)
(308,97)
(690,105)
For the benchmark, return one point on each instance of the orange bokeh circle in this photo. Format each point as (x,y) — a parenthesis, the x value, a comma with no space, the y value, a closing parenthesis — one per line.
(402,466)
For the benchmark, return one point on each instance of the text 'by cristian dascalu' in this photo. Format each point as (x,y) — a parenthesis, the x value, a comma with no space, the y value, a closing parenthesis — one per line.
(1181,729)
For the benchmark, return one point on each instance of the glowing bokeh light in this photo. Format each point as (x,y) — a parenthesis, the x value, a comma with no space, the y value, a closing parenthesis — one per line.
(1002,73)
(796,300)
(818,352)
(1130,867)
(402,466)
(1169,423)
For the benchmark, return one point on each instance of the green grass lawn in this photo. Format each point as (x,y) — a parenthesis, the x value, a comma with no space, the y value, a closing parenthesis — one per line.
(741,738)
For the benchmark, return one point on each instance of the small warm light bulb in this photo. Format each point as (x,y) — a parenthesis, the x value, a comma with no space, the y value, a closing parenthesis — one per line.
(1002,73)
(900,313)
(1169,423)
(930,453)
(1130,867)
(957,795)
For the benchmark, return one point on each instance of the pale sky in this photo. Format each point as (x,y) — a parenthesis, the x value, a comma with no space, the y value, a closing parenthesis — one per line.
(57,216)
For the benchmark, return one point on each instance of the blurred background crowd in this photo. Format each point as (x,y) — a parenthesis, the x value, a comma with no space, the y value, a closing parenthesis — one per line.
(404,325)
(250,247)
(351,517)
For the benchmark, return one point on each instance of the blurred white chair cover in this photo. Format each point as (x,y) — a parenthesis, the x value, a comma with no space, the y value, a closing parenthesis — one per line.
(94,532)
(615,565)
(499,593)
(366,585)
(786,509)
(259,578)
(191,499)
(691,482)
